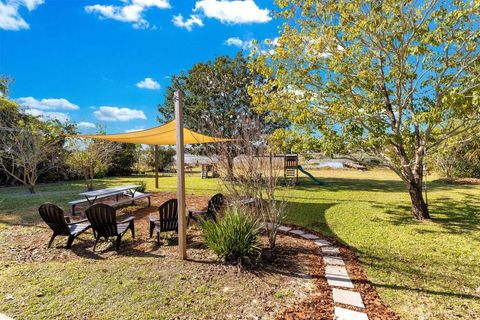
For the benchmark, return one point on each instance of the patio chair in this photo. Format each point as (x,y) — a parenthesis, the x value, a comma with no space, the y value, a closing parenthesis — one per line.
(60,224)
(103,219)
(168,219)
(213,208)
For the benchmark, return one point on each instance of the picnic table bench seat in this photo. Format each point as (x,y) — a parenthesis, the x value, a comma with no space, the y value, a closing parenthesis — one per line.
(138,195)
(75,202)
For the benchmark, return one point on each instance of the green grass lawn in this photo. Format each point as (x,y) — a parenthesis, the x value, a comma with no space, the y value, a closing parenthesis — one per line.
(423,270)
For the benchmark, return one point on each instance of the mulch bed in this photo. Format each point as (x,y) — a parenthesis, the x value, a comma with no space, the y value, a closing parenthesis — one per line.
(295,258)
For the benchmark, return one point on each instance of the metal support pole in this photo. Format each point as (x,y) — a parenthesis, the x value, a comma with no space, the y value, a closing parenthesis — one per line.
(182,230)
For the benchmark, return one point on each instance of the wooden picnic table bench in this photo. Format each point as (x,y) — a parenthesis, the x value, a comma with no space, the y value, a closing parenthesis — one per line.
(128,190)
(75,202)
(132,199)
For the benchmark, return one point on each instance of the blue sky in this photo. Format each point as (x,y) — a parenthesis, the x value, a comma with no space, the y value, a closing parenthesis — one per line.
(108,62)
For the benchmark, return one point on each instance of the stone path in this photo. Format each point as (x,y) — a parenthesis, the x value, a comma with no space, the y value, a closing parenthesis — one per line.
(4,317)
(343,290)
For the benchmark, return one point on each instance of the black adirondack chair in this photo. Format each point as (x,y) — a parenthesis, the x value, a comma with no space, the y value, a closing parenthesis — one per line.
(60,224)
(214,205)
(103,219)
(168,219)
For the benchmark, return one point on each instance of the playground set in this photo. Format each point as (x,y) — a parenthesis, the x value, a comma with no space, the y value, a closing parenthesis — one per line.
(209,170)
(290,170)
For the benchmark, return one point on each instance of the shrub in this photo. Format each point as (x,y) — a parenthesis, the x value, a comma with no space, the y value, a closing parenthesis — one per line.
(234,237)
(143,186)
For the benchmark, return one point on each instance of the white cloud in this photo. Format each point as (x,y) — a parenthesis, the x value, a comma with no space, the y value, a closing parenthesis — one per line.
(271,44)
(10,18)
(131,12)
(45,115)
(188,24)
(47,109)
(148,83)
(233,12)
(329,52)
(134,130)
(47,104)
(314,47)
(107,113)
(237,42)
(86,125)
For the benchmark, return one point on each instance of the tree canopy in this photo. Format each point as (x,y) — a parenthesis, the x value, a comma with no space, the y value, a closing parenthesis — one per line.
(393,79)
(216,100)
(30,149)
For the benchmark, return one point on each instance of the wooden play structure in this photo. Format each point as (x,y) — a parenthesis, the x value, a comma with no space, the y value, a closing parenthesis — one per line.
(209,170)
(290,168)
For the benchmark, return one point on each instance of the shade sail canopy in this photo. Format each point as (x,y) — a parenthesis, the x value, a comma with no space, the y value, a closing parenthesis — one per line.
(162,135)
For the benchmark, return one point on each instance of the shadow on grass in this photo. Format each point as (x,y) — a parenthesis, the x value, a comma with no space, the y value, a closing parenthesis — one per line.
(427,291)
(453,216)
(370,185)
(449,216)
(343,184)
(310,215)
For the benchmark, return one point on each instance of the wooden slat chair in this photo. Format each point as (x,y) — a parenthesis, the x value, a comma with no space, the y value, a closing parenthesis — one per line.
(168,219)
(103,219)
(215,204)
(60,224)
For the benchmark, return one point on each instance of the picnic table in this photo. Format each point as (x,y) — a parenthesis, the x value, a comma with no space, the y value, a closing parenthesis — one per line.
(92,196)
(128,190)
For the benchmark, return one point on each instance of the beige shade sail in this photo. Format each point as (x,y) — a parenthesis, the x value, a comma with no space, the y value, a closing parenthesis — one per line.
(162,135)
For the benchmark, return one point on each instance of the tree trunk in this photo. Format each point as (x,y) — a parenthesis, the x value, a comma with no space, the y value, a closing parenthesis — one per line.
(31,188)
(419,207)
(230,175)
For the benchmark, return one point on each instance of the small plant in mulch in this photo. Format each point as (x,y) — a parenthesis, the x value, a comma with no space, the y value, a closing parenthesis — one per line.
(234,237)
(130,209)
(143,186)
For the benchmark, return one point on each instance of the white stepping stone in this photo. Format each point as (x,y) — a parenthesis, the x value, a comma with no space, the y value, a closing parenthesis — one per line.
(330,250)
(310,236)
(333,261)
(336,271)
(322,243)
(348,297)
(339,281)
(298,232)
(345,314)
(284,228)
(4,317)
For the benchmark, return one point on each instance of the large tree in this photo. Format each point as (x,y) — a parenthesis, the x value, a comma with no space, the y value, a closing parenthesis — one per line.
(29,147)
(216,100)
(125,158)
(90,157)
(394,79)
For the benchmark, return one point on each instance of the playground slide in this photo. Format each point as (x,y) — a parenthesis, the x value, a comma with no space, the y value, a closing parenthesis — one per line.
(308,174)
